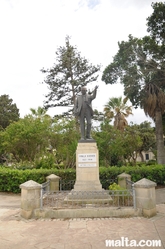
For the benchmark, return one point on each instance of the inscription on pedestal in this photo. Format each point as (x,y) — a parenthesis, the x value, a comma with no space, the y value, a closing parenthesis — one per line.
(87,160)
(89,157)
(87,164)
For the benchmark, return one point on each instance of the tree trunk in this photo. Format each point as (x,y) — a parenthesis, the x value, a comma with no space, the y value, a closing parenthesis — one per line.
(159,138)
(141,156)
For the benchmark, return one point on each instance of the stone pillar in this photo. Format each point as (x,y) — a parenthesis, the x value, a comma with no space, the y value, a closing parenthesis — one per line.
(145,197)
(54,182)
(122,180)
(87,167)
(30,198)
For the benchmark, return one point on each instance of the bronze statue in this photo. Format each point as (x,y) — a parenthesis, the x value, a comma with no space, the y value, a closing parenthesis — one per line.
(83,109)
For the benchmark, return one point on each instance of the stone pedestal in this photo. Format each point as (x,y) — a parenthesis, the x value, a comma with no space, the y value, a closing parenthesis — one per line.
(30,198)
(87,167)
(145,197)
(87,188)
(54,182)
(122,180)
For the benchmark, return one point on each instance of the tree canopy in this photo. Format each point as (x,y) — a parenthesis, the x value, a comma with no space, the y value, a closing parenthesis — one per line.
(118,109)
(156,24)
(8,111)
(40,141)
(37,136)
(26,138)
(140,66)
(117,147)
(65,77)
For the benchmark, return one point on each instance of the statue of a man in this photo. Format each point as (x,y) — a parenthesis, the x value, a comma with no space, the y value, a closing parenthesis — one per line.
(83,109)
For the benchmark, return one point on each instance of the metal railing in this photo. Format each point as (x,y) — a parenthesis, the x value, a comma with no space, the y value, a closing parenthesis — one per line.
(130,185)
(66,185)
(69,185)
(66,197)
(95,199)
(45,189)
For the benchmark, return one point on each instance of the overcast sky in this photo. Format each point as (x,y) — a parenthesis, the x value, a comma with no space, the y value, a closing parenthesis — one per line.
(32,30)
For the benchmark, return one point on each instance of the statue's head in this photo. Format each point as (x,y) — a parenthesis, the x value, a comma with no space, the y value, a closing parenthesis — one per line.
(83,90)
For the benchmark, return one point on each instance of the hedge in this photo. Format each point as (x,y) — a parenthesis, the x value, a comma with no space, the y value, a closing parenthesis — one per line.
(154,173)
(10,179)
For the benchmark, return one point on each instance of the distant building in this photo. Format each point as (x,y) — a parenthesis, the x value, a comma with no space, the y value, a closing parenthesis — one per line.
(147,156)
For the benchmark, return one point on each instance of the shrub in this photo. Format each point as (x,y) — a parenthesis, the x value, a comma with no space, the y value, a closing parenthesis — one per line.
(115,186)
(10,179)
(45,162)
(154,173)
(120,195)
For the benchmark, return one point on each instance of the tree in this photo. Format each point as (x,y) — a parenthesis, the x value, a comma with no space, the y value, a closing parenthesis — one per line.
(156,25)
(27,138)
(67,74)
(110,144)
(41,140)
(63,140)
(118,109)
(147,135)
(140,66)
(39,113)
(139,137)
(163,121)
(8,111)
(117,147)
(132,143)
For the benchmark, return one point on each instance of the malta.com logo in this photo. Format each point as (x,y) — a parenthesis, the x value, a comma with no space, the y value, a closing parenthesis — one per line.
(125,242)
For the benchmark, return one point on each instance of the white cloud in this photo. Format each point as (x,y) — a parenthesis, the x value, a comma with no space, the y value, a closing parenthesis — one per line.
(31,31)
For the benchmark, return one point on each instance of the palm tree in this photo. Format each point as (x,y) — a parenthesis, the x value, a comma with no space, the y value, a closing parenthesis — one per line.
(154,106)
(118,109)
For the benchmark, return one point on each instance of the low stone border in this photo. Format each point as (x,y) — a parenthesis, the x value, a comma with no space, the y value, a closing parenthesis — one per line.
(31,202)
(87,213)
